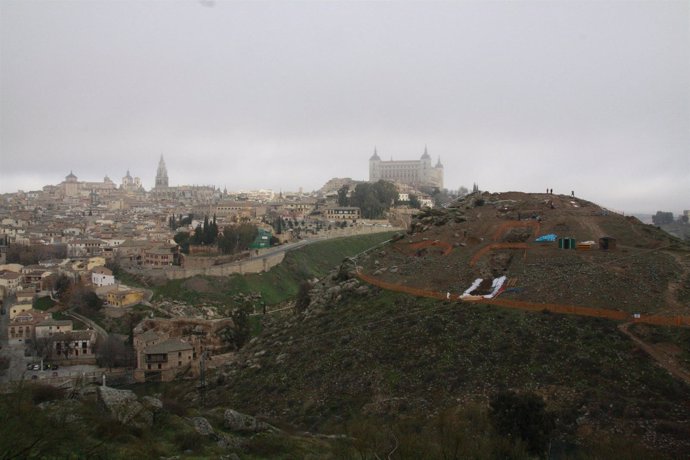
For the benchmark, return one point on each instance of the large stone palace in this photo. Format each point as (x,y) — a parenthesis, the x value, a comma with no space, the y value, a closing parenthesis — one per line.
(417,173)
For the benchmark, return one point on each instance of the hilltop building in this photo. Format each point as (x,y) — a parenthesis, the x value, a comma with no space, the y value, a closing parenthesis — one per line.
(417,173)
(72,187)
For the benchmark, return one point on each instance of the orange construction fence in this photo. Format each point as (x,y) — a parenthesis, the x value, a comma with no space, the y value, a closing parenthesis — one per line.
(531,306)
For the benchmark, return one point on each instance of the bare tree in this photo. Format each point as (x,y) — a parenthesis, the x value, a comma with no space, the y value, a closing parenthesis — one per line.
(111,352)
(43,347)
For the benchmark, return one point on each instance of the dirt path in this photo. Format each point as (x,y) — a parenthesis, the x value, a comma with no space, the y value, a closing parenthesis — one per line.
(661,356)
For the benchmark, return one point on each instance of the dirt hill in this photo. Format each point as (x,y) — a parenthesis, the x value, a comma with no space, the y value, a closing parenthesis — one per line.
(358,353)
(491,235)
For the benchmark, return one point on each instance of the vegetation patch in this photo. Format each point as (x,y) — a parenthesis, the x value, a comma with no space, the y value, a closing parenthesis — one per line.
(279,284)
(396,357)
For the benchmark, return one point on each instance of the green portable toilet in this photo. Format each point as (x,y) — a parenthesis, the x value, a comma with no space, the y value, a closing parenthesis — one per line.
(566,243)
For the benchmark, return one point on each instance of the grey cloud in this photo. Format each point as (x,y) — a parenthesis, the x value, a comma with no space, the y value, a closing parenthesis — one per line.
(283,94)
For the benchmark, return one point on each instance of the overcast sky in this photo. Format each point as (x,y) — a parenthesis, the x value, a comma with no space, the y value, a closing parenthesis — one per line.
(586,96)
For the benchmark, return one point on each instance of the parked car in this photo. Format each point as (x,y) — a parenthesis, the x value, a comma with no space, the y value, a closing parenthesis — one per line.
(29,366)
(36,367)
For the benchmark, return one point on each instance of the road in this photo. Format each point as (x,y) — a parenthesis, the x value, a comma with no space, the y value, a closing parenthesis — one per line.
(99,330)
(15,353)
(287,247)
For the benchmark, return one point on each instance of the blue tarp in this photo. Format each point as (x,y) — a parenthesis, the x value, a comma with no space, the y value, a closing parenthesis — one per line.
(544,238)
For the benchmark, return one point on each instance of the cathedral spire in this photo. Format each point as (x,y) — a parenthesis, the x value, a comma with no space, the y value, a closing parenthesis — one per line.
(426,154)
(161,174)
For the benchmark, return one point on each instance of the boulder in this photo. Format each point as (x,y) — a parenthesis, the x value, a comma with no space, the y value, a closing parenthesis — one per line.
(62,411)
(238,422)
(124,406)
(153,404)
(202,426)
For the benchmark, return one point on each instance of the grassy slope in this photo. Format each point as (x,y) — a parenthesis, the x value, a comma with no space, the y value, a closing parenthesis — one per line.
(281,282)
(396,356)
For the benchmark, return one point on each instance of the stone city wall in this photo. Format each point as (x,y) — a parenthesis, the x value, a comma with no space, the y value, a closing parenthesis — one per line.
(255,265)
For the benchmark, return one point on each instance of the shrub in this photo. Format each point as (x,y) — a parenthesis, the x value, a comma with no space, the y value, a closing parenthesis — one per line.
(188,440)
(522,417)
(303,300)
(43,393)
(174,406)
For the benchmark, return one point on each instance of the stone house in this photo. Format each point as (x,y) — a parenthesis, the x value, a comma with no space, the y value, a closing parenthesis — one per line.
(50,327)
(341,213)
(36,278)
(101,276)
(160,257)
(74,347)
(18,308)
(118,295)
(164,361)
(21,328)
(131,252)
(85,247)
(146,339)
(24,297)
(10,282)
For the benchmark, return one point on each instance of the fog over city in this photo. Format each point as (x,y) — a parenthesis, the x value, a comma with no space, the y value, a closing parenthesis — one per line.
(592,97)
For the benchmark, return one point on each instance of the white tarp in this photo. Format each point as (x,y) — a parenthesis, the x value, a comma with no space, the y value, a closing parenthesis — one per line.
(496,285)
(474,286)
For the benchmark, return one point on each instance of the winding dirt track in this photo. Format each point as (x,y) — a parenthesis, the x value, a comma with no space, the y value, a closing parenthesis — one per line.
(663,359)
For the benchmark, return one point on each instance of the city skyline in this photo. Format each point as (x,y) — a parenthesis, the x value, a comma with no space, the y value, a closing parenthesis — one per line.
(585,97)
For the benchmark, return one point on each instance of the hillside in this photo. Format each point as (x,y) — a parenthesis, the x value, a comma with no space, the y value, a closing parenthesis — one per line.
(360,356)
(648,272)
(278,284)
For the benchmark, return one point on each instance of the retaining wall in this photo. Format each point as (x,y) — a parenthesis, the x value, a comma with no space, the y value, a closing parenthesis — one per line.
(255,265)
